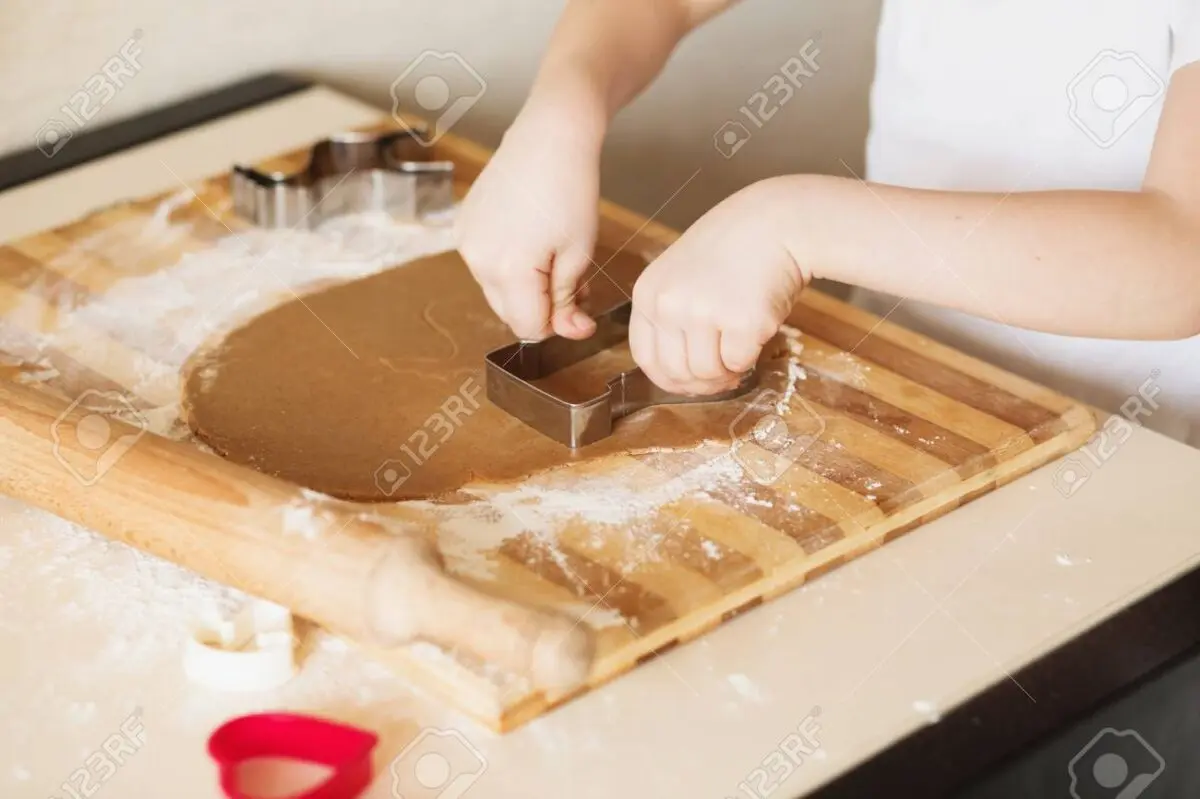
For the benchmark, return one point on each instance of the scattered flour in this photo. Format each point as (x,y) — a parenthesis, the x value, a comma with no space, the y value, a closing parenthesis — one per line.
(594,614)
(80,712)
(142,329)
(1063,559)
(846,368)
(160,222)
(40,374)
(795,371)
(147,603)
(311,515)
(927,709)
(793,336)
(745,687)
(608,501)
(621,516)
(506,683)
(1052,596)
(134,611)
(301,518)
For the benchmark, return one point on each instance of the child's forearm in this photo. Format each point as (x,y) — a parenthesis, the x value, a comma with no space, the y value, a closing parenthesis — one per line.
(1088,263)
(608,51)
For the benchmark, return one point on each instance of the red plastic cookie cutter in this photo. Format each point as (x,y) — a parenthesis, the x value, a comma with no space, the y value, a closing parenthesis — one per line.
(305,739)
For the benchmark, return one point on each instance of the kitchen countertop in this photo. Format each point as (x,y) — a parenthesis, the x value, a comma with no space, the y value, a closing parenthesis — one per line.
(855,661)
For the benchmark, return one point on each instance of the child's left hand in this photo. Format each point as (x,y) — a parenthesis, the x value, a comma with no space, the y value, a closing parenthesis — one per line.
(703,310)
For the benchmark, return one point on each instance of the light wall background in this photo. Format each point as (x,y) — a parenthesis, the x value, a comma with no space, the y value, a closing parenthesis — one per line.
(49,48)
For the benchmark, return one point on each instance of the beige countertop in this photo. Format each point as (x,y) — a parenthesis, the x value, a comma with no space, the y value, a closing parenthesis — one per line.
(857,659)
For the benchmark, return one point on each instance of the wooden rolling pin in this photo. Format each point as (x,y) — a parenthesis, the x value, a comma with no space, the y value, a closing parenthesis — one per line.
(229,523)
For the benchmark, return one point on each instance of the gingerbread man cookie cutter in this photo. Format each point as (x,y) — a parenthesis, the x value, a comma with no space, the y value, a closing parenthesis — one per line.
(253,651)
(348,173)
(512,369)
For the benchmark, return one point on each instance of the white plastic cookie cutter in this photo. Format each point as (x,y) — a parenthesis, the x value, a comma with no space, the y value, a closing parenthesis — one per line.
(253,651)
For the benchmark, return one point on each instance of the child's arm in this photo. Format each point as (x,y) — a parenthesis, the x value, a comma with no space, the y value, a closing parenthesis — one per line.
(1088,263)
(610,50)
(528,226)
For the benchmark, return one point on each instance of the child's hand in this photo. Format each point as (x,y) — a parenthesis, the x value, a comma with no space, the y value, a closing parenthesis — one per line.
(703,310)
(528,225)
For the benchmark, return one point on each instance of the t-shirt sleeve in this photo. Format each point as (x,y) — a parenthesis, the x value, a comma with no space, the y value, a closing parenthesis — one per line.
(1185,33)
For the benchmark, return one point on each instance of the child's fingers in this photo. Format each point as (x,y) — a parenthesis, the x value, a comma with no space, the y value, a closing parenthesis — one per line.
(671,346)
(495,299)
(643,347)
(704,354)
(568,318)
(739,350)
(574,324)
(526,304)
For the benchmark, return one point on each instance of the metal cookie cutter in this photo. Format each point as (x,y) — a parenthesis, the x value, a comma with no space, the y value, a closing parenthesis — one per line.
(348,173)
(511,368)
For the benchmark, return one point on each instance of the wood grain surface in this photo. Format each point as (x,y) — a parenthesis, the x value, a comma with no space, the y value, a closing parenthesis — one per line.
(903,430)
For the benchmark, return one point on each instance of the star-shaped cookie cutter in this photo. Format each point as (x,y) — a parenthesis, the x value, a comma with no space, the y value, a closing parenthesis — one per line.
(347,173)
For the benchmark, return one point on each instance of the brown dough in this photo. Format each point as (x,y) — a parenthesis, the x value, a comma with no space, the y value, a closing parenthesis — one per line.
(348,389)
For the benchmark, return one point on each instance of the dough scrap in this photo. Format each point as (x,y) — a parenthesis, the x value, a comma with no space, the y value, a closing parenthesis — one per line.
(373,390)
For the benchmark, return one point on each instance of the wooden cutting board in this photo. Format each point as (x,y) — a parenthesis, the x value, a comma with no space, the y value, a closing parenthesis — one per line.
(650,550)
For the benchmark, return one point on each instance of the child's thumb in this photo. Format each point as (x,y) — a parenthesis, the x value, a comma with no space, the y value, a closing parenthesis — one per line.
(565,293)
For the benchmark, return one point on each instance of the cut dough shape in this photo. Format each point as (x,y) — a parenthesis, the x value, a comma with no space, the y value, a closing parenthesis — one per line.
(374,390)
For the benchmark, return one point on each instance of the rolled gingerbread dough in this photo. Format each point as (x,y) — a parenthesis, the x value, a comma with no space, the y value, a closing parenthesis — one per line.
(374,390)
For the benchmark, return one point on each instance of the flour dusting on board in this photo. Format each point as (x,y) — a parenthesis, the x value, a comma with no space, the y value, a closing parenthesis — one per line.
(847,369)
(620,501)
(129,241)
(153,303)
(140,323)
(793,371)
(619,515)
(207,293)
(156,295)
(615,500)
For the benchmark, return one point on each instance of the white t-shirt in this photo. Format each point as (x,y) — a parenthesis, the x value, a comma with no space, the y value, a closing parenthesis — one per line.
(1023,95)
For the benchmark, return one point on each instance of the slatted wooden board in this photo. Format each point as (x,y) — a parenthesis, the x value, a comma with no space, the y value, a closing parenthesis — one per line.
(909,430)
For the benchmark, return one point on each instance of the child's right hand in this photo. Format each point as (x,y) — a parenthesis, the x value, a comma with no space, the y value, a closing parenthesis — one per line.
(527,227)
